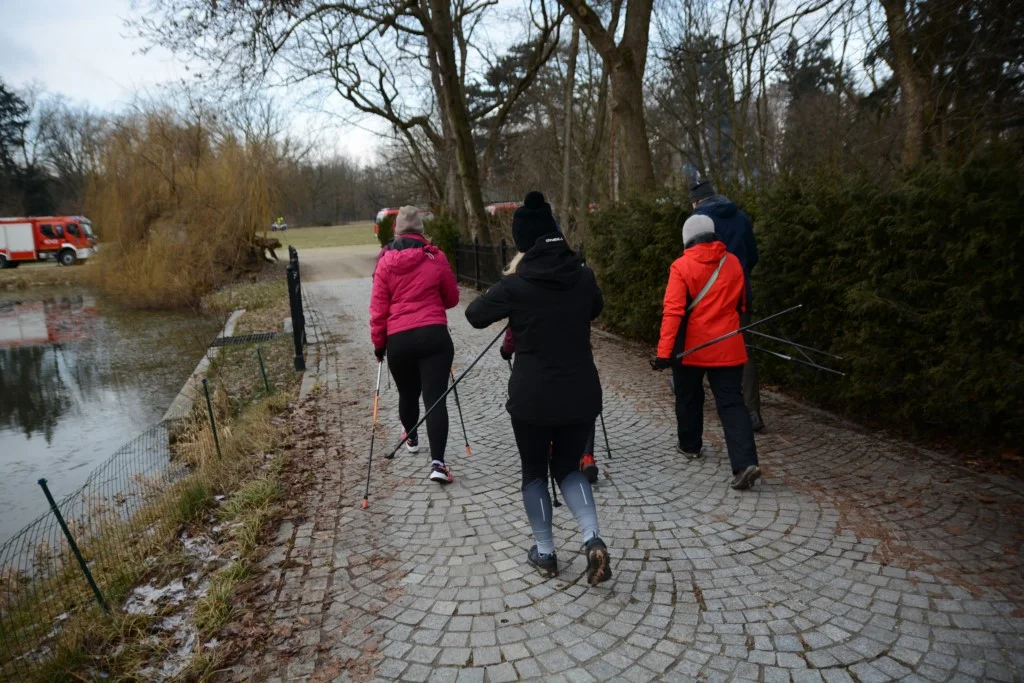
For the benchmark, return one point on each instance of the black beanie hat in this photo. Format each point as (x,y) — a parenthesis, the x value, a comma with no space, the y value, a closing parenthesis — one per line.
(701,191)
(532,220)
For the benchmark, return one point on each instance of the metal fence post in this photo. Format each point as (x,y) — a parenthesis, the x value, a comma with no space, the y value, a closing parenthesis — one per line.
(263,370)
(74,547)
(295,303)
(504,252)
(293,259)
(476,261)
(213,423)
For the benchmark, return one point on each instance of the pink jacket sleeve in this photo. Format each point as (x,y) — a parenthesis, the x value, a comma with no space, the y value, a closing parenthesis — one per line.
(449,286)
(380,305)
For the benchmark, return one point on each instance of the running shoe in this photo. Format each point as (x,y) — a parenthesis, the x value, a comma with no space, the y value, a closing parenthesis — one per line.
(411,442)
(440,473)
(546,564)
(599,567)
(745,478)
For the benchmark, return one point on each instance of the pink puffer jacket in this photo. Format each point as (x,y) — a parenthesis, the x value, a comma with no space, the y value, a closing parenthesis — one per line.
(412,287)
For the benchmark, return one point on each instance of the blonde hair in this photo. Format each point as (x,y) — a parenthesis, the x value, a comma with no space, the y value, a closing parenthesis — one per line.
(513,265)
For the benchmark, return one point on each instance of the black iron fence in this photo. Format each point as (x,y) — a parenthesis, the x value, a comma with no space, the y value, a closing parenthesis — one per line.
(481,265)
(295,304)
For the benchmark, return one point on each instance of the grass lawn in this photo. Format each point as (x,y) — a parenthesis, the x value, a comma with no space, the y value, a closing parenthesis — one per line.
(333,236)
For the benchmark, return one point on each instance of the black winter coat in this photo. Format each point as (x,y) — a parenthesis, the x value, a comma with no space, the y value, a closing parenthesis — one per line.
(549,302)
(733,227)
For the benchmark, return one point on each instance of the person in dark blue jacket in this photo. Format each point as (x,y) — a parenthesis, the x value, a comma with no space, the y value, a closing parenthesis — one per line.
(733,226)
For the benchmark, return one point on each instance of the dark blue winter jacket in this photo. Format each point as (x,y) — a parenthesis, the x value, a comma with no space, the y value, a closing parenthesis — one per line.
(733,227)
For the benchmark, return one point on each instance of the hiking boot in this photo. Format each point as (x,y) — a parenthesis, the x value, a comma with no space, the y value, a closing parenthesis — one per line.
(599,567)
(746,477)
(690,455)
(589,468)
(756,422)
(440,473)
(546,565)
(412,442)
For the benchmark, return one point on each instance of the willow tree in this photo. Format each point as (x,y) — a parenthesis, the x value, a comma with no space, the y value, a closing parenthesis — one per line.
(404,62)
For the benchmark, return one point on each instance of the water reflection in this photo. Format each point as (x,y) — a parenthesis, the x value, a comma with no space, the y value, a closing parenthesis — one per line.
(78,379)
(34,363)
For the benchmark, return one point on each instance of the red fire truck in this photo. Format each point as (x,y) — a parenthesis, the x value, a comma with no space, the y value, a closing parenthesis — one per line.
(64,239)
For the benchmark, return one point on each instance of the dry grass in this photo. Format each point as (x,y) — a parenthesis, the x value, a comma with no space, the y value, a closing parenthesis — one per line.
(177,207)
(33,275)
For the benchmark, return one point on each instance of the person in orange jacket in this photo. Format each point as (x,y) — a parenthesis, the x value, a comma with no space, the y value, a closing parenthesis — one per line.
(705,295)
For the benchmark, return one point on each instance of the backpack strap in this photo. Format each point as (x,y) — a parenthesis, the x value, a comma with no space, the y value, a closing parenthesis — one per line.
(711,281)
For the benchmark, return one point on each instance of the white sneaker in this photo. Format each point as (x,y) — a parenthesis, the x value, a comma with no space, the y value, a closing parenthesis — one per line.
(412,443)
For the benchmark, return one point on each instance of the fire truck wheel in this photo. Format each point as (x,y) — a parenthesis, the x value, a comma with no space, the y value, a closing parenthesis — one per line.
(66,258)
(4,263)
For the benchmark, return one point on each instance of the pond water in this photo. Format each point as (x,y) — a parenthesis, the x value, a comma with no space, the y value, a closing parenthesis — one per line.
(79,378)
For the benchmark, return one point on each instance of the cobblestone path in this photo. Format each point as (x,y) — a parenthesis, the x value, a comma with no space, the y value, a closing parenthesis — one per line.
(856,558)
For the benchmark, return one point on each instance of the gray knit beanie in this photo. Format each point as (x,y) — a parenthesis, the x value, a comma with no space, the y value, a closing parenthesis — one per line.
(695,226)
(408,220)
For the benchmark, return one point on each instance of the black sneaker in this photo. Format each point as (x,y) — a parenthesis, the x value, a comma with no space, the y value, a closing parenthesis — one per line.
(756,422)
(548,566)
(599,567)
(689,455)
(744,479)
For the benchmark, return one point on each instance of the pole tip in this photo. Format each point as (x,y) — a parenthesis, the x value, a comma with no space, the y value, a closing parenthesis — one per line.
(366,503)
(468,452)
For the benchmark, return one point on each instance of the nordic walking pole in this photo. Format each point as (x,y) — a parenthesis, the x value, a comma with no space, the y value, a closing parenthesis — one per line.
(607,445)
(459,407)
(783,340)
(373,435)
(735,332)
(797,360)
(448,390)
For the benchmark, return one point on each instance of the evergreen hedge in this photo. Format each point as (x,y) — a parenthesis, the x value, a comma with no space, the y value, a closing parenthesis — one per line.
(917,281)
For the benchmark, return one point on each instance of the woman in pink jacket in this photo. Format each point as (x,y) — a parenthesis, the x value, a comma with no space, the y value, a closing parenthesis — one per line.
(413,286)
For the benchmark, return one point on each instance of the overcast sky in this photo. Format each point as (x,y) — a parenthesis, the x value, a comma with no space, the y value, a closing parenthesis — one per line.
(80,48)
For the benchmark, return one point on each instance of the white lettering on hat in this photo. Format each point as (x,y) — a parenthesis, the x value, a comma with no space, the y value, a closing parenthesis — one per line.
(554,239)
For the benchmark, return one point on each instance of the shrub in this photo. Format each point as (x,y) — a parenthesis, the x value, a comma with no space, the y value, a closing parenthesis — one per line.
(631,248)
(916,281)
(444,233)
(177,207)
(386,230)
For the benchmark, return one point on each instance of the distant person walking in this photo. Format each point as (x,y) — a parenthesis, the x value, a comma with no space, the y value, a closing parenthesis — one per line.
(413,286)
(549,298)
(734,228)
(703,301)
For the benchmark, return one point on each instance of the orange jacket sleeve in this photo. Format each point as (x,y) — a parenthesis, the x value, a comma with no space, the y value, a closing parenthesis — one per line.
(673,310)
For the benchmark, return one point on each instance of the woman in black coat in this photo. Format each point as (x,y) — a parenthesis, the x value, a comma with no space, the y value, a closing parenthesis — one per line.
(550,297)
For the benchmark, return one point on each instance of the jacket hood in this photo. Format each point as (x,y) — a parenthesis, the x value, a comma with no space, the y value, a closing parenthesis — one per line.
(408,257)
(551,263)
(708,252)
(718,207)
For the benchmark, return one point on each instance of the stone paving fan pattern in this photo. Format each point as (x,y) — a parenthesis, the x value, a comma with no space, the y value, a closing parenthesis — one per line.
(856,558)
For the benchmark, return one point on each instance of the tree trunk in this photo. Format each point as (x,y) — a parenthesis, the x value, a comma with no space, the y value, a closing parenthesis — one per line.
(570,84)
(631,125)
(441,34)
(912,87)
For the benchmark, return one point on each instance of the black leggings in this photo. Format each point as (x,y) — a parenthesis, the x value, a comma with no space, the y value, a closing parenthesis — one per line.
(566,444)
(420,360)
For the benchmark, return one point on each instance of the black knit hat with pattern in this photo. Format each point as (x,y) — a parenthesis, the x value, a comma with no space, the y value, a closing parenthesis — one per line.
(532,220)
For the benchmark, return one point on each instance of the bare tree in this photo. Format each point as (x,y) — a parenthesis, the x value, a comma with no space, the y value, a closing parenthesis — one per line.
(406,62)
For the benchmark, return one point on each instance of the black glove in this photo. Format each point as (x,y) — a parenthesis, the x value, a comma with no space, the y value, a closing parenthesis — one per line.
(661,363)
(380,354)
(505,355)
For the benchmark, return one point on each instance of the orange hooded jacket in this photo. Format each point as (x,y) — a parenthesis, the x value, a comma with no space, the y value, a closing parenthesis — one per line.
(716,314)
